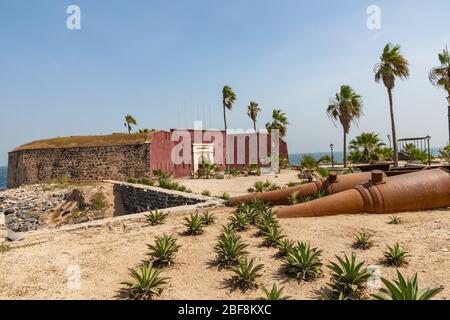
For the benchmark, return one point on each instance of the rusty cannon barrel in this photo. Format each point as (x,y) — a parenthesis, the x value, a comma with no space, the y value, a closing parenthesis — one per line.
(423,190)
(331,185)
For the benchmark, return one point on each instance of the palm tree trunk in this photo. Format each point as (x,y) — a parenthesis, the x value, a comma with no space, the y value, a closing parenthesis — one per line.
(225,136)
(394,133)
(345,149)
(257,143)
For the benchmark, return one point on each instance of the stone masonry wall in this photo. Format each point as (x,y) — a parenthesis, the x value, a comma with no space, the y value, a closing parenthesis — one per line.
(89,163)
(137,198)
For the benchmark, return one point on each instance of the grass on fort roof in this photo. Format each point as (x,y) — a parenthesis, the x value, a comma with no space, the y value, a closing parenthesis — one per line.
(88,141)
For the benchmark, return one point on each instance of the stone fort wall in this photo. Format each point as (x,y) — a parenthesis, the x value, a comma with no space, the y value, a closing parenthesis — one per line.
(118,162)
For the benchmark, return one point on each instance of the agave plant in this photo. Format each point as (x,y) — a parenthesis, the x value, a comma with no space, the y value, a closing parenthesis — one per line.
(164,250)
(274,294)
(208,218)
(146,282)
(395,220)
(259,205)
(246,273)
(348,278)
(363,241)
(402,289)
(285,247)
(156,217)
(304,262)
(272,236)
(395,256)
(251,213)
(266,223)
(293,198)
(228,229)
(239,221)
(230,249)
(194,224)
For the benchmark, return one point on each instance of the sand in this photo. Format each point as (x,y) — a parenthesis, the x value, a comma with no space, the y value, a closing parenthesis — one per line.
(37,268)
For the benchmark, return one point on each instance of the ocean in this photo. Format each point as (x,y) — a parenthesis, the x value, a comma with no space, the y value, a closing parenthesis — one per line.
(3,174)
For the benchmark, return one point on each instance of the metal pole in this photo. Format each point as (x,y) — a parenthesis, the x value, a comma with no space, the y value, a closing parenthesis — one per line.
(429,151)
(332,155)
(448,98)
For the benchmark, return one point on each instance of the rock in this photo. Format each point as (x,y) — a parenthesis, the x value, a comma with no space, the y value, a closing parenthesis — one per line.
(9,211)
(77,196)
(12,236)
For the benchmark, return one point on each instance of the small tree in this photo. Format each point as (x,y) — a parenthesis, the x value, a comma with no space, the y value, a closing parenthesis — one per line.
(129,122)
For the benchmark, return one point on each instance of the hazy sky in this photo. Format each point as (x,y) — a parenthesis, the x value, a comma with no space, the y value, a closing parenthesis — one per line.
(166,61)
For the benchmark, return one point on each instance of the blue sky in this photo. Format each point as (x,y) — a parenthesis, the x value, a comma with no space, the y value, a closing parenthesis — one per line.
(166,61)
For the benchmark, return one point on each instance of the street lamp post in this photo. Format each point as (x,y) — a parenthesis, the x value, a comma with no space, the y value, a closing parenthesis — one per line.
(429,150)
(448,100)
(332,155)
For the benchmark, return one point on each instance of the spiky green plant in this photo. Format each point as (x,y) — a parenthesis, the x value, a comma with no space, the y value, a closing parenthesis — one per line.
(395,256)
(274,294)
(163,251)
(246,273)
(228,229)
(348,278)
(146,282)
(293,198)
(402,289)
(304,262)
(239,221)
(251,213)
(363,240)
(208,218)
(395,220)
(206,193)
(285,246)
(230,249)
(156,217)
(194,224)
(259,205)
(272,237)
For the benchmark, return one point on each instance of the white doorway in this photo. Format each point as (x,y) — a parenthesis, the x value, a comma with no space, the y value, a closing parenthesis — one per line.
(202,152)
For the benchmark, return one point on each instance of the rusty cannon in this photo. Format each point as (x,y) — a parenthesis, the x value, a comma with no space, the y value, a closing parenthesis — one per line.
(331,185)
(422,190)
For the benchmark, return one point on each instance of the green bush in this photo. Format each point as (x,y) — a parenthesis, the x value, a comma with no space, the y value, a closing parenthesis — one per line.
(164,250)
(402,289)
(395,256)
(195,224)
(247,273)
(230,249)
(274,294)
(156,217)
(98,201)
(146,282)
(303,262)
(363,241)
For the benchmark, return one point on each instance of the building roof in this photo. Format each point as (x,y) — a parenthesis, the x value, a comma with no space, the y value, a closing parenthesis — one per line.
(89,141)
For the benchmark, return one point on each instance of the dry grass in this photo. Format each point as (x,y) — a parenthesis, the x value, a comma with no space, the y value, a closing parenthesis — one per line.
(87,141)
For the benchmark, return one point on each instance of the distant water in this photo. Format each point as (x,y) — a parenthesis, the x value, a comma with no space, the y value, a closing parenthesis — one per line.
(3,174)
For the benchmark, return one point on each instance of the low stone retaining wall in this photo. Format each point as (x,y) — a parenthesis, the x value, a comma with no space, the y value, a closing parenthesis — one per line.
(140,198)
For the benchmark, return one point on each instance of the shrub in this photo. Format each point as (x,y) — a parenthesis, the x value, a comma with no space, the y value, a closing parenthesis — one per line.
(230,249)
(251,213)
(225,196)
(293,198)
(234,172)
(208,218)
(98,201)
(146,282)
(348,278)
(272,237)
(228,230)
(285,247)
(146,181)
(161,174)
(247,273)
(206,170)
(402,289)
(260,186)
(395,220)
(274,294)
(164,250)
(395,256)
(254,170)
(239,221)
(363,241)
(156,217)
(304,262)
(194,224)
(266,222)
(206,193)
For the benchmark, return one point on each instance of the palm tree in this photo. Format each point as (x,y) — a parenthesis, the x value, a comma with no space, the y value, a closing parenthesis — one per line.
(367,147)
(345,107)
(392,65)
(252,112)
(228,99)
(279,122)
(129,121)
(440,76)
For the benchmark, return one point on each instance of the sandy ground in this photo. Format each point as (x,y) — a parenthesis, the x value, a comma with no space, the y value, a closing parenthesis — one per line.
(238,185)
(39,267)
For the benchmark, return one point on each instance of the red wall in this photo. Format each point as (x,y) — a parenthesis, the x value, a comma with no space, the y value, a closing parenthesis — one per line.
(161,152)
